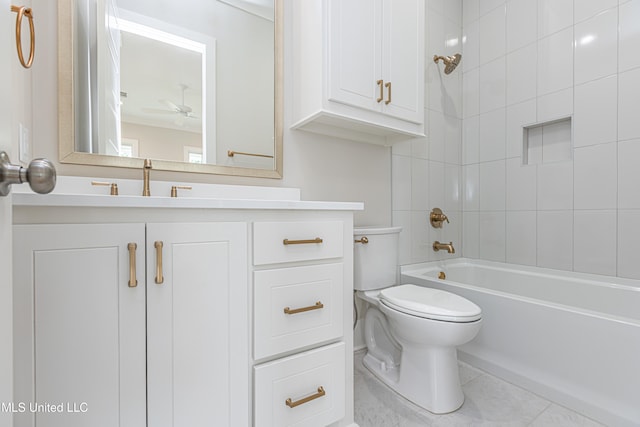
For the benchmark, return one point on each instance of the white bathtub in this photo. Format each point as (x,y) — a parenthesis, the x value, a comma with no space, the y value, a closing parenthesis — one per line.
(570,337)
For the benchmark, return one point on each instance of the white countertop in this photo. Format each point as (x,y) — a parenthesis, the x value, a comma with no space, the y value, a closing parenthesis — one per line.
(78,192)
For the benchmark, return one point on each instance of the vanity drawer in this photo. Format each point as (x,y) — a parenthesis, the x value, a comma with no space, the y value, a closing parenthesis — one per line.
(296,307)
(307,389)
(276,242)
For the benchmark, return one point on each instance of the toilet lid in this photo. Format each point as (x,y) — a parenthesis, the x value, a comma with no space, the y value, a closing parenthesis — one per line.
(430,303)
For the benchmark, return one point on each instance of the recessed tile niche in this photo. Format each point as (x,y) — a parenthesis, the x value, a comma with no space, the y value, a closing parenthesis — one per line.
(547,142)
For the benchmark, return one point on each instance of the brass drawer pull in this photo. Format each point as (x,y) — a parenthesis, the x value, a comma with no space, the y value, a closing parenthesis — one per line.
(292,404)
(159,276)
(381,97)
(301,242)
(317,306)
(388,86)
(364,240)
(133,282)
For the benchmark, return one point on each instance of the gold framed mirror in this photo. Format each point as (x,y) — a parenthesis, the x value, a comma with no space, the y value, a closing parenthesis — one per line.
(233,126)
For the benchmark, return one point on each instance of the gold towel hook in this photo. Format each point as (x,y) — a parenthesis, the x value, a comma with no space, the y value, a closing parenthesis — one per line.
(24,11)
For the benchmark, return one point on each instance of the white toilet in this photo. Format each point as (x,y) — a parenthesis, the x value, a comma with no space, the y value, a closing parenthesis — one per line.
(411,331)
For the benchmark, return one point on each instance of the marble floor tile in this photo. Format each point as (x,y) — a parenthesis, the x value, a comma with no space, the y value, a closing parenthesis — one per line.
(489,402)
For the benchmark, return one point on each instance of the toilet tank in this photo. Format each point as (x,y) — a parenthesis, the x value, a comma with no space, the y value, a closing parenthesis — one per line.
(375,262)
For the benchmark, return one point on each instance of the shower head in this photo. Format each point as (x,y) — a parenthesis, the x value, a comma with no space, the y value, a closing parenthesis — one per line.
(450,62)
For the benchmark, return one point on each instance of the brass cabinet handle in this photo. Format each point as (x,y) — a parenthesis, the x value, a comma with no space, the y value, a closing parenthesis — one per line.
(301,242)
(318,305)
(24,11)
(381,97)
(133,282)
(388,86)
(364,240)
(292,404)
(159,276)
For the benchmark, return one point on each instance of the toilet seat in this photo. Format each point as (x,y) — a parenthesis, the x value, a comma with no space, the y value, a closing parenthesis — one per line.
(430,303)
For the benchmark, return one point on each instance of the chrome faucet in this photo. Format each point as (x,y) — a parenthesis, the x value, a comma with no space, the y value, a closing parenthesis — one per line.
(146,168)
(437,246)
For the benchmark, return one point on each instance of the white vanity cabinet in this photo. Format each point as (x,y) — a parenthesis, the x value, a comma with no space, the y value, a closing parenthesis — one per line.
(358,68)
(127,348)
(240,307)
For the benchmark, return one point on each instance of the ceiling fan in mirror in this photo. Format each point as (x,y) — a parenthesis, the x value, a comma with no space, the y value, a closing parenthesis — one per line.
(181,109)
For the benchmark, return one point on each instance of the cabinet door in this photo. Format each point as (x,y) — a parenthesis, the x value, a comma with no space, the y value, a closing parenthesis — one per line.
(403,58)
(354,52)
(79,328)
(197,325)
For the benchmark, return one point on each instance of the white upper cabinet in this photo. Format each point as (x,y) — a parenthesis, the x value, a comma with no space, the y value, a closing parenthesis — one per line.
(359,68)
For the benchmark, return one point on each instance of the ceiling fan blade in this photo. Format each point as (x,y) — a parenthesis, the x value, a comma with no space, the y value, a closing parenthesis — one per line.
(171,105)
(158,111)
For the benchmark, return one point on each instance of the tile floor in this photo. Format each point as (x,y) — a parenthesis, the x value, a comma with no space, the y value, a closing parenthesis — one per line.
(489,401)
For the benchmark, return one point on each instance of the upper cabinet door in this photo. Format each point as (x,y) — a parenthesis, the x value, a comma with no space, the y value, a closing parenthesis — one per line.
(197,325)
(79,326)
(355,61)
(404,55)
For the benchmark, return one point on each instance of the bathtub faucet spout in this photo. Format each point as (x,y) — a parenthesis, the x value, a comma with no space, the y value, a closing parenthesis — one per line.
(437,246)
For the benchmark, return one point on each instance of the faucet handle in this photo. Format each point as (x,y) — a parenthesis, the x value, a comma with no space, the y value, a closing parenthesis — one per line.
(437,218)
(174,189)
(114,187)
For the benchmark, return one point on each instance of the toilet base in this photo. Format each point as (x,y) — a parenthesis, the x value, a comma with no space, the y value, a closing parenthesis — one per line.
(428,378)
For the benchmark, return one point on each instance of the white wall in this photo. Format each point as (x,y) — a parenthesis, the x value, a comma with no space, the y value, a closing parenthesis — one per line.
(426,171)
(530,61)
(323,168)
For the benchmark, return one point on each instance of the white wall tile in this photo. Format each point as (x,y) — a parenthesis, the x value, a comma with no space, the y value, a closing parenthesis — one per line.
(471,188)
(436,184)
(555,186)
(470,11)
(453,11)
(493,85)
(521,74)
(420,246)
(419,148)
(403,219)
(595,177)
(518,116)
(555,105)
(521,185)
(470,234)
(419,184)
(522,28)
(628,174)
(534,140)
(594,247)
(596,122)
(453,140)
(402,148)
(554,15)
(492,186)
(585,9)
(437,135)
(452,188)
(471,46)
(628,96)
(556,141)
(471,91)
(471,140)
(628,243)
(488,5)
(521,238)
(629,43)
(401,182)
(492,33)
(596,42)
(491,245)
(555,239)
(492,135)
(555,62)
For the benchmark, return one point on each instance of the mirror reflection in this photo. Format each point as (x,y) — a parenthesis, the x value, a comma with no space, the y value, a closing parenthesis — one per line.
(186,82)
